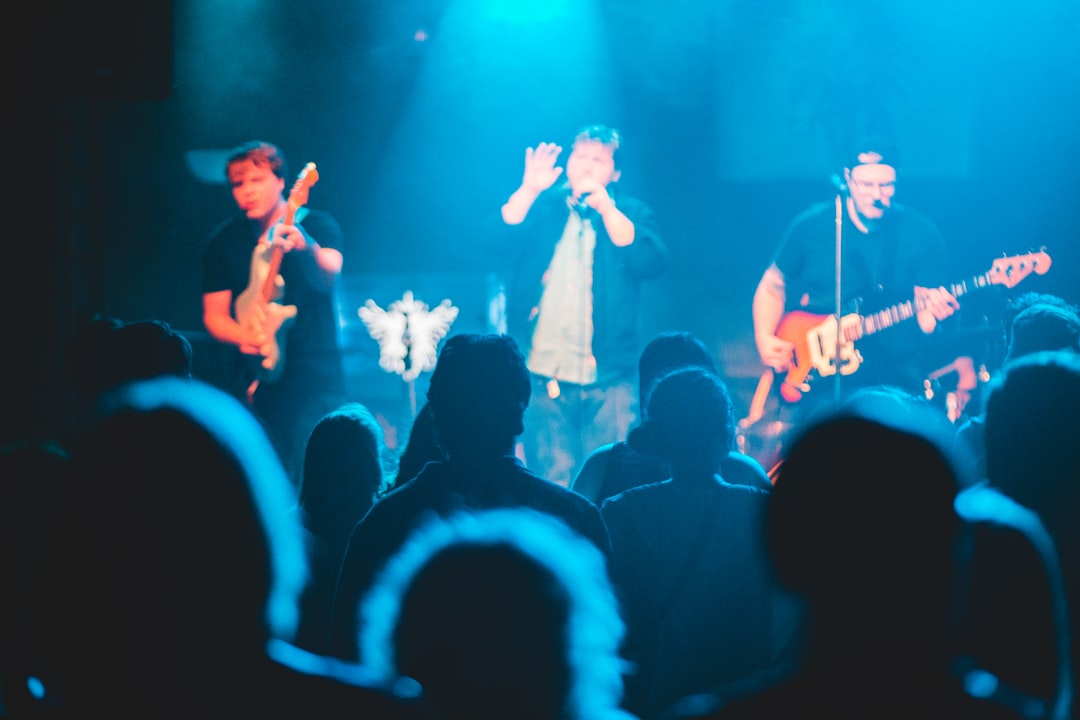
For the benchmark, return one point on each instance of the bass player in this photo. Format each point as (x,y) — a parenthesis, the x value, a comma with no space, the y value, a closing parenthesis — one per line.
(288,357)
(889,253)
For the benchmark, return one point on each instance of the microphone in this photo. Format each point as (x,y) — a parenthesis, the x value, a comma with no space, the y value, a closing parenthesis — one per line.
(839,184)
(581,207)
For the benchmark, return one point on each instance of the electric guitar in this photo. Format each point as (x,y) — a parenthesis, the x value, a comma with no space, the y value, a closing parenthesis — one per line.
(815,336)
(257,307)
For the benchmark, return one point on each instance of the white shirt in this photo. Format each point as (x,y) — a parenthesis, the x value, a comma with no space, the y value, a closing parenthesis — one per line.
(562,341)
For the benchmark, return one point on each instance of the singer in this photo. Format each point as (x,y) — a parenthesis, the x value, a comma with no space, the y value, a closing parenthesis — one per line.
(576,253)
(890,254)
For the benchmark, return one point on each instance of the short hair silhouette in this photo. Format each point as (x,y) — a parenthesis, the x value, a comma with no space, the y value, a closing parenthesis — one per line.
(499,613)
(898,507)
(478,394)
(1043,327)
(107,352)
(670,351)
(690,422)
(177,553)
(1020,303)
(1032,431)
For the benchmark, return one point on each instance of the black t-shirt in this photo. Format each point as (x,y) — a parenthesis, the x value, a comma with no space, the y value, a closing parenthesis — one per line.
(878,270)
(227,266)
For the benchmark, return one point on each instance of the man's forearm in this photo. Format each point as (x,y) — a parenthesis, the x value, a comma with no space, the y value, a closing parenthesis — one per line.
(518,206)
(768,306)
(619,227)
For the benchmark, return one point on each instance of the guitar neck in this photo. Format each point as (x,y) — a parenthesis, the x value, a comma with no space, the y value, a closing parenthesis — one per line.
(895,314)
(269,286)
(297,199)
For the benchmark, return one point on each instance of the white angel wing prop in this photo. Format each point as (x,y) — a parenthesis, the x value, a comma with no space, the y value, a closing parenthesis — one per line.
(408,333)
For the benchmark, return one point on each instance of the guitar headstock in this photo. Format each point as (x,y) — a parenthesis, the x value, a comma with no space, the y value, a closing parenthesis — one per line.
(298,195)
(1009,271)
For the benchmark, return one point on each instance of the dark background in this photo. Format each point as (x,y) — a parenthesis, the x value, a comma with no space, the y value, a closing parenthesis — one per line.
(417,112)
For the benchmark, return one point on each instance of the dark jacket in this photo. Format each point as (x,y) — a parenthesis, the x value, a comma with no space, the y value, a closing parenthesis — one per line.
(443,488)
(617,274)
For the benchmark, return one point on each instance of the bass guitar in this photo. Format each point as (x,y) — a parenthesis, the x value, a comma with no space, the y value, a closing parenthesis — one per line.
(815,336)
(257,307)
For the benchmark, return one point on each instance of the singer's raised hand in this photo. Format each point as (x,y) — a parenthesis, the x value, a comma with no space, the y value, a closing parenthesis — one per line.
(540,170)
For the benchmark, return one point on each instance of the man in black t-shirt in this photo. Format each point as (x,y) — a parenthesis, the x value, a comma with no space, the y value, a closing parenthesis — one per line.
(288,359)
(892,269)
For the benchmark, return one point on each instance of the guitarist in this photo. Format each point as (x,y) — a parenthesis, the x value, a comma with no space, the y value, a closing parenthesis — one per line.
(301,321)
(890,253)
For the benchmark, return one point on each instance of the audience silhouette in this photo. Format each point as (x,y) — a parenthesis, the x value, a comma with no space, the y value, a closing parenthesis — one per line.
(477,394)
(420,449)
(1032,432)
(499,614)
(1033,322)
(870,543)
(1014,637)
(176,569)
(342,474)
(615,467)
(105,352)
(165,566)
(688,556)
(1022,302)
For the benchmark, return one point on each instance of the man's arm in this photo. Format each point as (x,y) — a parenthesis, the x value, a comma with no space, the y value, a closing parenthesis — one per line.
(325,263)
(540,174)
(515,210)
(770,299)
(219,322)
(619,227)
(646,256)
(936,303)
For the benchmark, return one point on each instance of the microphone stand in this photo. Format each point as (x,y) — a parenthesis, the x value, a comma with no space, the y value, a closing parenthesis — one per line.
(838,299)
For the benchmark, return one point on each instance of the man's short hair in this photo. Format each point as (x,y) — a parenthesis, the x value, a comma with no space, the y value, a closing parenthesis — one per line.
(260,152)
(602,134)
(667,352)
(1020,303)
(690,421)
(478,393)
(1043,327)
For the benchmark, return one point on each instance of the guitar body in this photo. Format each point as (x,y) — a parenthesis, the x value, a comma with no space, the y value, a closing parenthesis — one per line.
(814,338)
(275,319)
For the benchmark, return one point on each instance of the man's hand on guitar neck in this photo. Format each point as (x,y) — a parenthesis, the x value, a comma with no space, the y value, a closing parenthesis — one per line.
(933,304)
(289,237)
(328,261)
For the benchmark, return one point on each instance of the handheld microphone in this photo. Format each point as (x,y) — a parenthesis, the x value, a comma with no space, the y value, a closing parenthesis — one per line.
(581,207)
